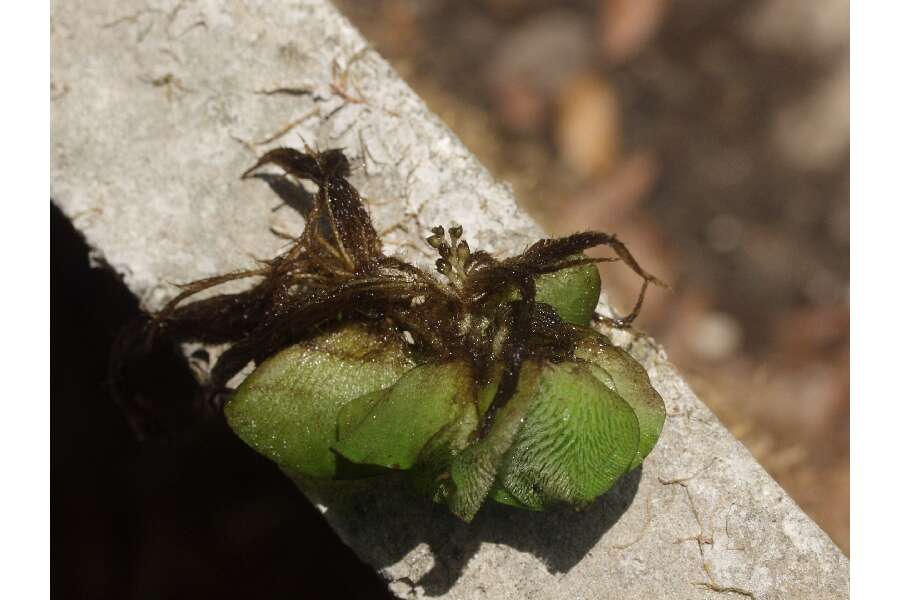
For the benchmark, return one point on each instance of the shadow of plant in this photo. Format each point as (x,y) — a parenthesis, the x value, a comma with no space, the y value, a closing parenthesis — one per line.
(291,193)
(383,520)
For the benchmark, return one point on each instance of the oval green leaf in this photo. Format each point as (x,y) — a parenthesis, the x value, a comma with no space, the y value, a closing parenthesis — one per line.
(573,292)
(395,425)
(632,383)
(287,408)
(577,439)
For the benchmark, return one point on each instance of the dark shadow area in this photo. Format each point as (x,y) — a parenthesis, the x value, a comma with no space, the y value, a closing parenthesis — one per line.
(198,515)
(388,520)
(559,537)
(291,193)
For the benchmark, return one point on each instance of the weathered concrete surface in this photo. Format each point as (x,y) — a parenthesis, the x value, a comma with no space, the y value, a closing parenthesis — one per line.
(156,106)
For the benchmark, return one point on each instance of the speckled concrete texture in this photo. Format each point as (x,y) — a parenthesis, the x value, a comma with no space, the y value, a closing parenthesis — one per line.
(157,109)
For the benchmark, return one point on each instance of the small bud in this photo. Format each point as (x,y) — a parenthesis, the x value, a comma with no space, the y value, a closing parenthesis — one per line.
(462,253)
(438,231)
(456,232)
(443,267)
(435,241)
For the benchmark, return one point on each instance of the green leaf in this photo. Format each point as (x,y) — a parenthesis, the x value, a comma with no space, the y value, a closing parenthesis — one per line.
(397,424)
(632,383)
(287,408)
(474,471)
(354,412)
(500,495)
(432,471)
(573,292)
(577,439)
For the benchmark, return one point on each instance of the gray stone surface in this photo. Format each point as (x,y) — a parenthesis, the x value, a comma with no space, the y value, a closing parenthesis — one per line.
(156,108)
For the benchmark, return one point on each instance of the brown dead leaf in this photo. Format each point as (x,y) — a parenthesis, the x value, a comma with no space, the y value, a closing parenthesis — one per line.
(588,125)
(625,26)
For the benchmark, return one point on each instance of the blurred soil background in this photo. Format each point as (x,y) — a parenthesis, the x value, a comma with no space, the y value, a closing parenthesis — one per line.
(713,137)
